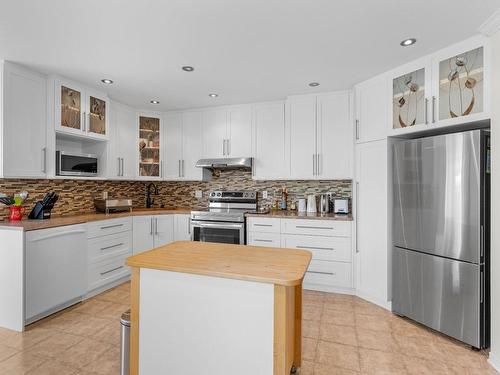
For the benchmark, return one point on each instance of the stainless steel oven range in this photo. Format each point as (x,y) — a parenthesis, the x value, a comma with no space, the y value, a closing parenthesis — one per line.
(224,220)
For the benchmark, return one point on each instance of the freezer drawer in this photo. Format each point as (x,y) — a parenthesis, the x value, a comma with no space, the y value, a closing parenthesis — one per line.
(441,293)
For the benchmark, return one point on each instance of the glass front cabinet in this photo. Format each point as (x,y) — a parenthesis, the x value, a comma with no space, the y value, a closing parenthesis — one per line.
(80,111)
(149,147)
(447,88)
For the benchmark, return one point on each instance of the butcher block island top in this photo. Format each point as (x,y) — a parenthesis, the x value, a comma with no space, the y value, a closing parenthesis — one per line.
(261,264)
(201,301)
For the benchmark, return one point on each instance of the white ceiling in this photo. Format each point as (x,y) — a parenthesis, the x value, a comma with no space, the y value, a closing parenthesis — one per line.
(244,50)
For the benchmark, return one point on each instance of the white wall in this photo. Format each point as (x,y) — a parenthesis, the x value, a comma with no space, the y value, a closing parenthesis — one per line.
(495,206)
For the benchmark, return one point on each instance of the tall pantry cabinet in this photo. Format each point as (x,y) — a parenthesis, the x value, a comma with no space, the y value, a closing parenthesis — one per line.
(371,191)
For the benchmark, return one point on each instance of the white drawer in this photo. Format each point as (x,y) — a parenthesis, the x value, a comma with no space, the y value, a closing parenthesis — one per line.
(264,239)
(102,273)
(106,247)
(315,227)
(329,273)
(263,225)
(112,226)
(322,248)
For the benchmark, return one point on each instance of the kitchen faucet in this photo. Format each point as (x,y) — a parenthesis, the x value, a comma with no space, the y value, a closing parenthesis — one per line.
(150,201)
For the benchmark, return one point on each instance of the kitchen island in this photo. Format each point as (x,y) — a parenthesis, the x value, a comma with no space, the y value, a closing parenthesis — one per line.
(216,309)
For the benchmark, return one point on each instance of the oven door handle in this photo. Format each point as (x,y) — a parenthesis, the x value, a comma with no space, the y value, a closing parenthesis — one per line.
(197,224)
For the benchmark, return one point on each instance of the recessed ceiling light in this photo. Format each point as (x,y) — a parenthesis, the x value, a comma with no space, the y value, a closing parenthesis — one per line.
(107,81)
(154,102)
(408,42)
(314,84)
(187,68)
(213,95)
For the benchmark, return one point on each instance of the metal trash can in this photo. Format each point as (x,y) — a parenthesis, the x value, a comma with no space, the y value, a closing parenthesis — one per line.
(125,343)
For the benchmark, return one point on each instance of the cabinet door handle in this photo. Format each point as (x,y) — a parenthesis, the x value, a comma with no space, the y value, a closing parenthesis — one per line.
(224,147)
(84,122)
(323,273)
(156,226)
(182,168)
(119,166)
(112,226)
(311,227)
(259,240)
(151,226)
(228,147)
(123,167)
(357,216)
(111,246)
(357,129)
(315,248)
(314,165)
(433,109)
(262,225)
(161,168)
(44,159)
(179,167)
(426,104)
(111,270)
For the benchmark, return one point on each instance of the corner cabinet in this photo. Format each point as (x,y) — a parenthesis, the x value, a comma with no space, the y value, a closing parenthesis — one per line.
(80,111)
(23,123)
(149,147)
(447,88)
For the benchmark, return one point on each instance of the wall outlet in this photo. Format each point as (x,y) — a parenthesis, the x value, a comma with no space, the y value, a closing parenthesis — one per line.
(198,194)
(264,194)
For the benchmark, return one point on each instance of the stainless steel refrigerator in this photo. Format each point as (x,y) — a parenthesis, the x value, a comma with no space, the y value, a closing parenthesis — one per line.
(441,225)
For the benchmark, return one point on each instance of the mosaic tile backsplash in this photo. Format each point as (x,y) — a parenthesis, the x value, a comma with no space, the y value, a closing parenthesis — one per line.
(76,196)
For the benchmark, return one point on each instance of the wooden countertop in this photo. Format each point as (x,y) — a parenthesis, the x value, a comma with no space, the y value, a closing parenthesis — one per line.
(261,264)
(302,215)
(28,225)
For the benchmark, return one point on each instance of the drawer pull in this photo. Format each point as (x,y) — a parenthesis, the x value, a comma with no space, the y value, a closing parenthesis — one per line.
(111,246)
(262,225)
(311,227)
(112,270)
(258,240)
(323,273)
(112,226)
(315,248)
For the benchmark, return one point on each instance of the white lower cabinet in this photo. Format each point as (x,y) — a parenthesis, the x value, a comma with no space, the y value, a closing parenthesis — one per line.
(108,246)
(182,227)
(329,241)
(152,231)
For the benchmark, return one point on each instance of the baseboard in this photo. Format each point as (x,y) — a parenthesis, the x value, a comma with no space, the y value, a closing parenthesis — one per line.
(494,361)
(384,304)
(328,288)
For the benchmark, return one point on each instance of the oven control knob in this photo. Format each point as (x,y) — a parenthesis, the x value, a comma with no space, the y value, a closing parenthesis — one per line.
(219,194)
(212,194)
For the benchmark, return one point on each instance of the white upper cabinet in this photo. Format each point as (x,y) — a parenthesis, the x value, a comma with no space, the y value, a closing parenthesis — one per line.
(183,140)
(80,111)
(321,136)
(24,152)
(271,142)
(371,109)
(214,133)
(173,145)
(122,146)
(301,118)
(227,132)
(449,87)
(239,132)
(335,134)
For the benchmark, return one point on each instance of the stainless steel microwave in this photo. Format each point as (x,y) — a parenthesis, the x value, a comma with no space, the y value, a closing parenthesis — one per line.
(70,164)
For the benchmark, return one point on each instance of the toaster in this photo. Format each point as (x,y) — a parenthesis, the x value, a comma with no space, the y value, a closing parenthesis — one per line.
(341,205)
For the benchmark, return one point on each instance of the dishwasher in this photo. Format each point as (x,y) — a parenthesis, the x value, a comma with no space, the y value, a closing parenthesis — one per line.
(55,269)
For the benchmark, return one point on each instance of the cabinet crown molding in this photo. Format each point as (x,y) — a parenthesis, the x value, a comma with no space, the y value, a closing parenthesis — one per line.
(492,25)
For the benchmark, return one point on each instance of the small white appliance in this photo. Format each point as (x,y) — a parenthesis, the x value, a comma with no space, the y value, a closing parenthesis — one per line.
(311,204)
(341,205)
(302,205)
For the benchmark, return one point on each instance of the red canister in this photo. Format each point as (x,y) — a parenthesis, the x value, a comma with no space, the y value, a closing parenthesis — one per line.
(16,213)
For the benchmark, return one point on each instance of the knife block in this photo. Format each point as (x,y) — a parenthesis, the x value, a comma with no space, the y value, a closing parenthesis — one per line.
(40,212)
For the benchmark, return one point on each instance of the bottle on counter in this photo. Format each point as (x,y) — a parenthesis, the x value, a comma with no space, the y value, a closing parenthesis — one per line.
(284,195)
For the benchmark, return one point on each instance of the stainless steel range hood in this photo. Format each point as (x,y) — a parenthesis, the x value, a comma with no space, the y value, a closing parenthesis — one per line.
(225,163)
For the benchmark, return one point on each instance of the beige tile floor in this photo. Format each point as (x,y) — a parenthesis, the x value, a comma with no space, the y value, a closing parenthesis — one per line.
(342,335)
